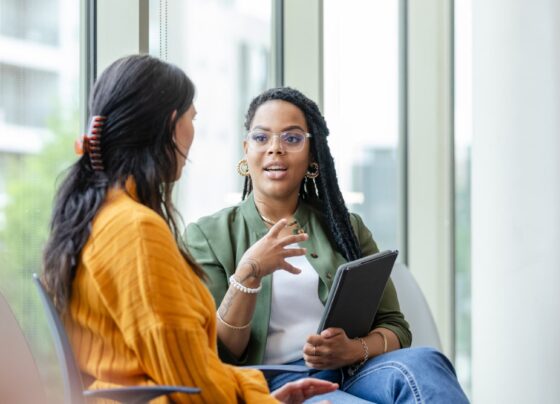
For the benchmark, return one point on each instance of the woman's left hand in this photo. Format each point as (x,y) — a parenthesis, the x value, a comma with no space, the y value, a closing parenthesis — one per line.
(300,390)
(331,349)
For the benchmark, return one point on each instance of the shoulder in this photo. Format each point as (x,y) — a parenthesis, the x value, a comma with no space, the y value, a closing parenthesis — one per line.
(123,216)
(226,216)
(363,233)
(221,226)
(357,222)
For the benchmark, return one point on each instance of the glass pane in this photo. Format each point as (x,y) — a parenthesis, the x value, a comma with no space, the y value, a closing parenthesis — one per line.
(361,104)
(39,59)
(463,140)
(36,21)
(224,47)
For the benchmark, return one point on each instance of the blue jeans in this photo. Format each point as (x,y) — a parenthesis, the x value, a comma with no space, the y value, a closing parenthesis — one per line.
(410,375)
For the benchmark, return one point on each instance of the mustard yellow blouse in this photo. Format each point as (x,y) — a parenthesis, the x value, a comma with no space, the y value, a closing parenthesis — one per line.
(139,315)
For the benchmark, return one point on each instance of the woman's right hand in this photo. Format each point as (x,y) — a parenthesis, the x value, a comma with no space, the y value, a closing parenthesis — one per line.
(300,390)
(270,253)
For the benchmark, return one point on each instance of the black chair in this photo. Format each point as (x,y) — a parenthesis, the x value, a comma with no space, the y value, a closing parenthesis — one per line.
(73,385)
(74,392)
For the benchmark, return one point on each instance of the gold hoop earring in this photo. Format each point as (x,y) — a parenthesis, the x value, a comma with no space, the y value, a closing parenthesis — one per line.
(312,171)
(243,168)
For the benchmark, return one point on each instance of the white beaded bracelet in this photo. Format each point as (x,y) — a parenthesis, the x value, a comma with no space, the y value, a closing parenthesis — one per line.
(235,283)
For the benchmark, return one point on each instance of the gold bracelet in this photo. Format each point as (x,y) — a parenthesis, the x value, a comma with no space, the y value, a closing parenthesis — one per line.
(384,339)
(233,327)
(354,368)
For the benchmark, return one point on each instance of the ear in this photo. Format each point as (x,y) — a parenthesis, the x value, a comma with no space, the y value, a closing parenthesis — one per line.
(245,147)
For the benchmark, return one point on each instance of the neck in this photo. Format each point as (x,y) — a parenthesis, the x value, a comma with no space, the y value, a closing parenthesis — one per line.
(276,209)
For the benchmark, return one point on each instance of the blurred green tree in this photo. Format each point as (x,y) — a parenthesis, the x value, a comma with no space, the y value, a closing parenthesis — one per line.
(30,187)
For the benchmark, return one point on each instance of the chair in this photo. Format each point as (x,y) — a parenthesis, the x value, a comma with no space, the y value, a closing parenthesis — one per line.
(415,308)
(73,387)
(20,381)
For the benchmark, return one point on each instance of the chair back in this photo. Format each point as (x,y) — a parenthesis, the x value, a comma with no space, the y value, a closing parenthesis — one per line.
(20,381)
(73,387)
(415,308)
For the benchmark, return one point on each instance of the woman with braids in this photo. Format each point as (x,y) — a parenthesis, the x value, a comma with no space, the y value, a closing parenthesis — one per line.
(271,260)
(133,301)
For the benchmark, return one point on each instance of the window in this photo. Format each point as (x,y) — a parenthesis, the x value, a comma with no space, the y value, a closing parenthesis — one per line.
(30,20)
(39,58)
(224,47)
(361,105)
(463,140)
(28,95)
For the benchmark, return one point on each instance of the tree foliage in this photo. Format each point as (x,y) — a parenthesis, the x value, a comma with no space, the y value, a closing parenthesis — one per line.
(30,188)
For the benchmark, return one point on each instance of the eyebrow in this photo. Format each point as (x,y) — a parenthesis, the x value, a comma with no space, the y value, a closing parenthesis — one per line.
(283,130)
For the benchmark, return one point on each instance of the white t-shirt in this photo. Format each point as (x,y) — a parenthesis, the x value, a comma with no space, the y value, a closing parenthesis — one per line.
(295,311)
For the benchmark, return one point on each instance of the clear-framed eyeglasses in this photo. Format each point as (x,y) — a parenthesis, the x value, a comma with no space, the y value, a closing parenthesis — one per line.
(291,141)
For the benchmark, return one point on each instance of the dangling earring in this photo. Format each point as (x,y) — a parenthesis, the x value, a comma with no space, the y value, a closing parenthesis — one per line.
(243,168)
(312,171)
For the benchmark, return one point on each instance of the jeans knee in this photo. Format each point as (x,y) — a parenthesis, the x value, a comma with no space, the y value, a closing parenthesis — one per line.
(433,356)
(420,360)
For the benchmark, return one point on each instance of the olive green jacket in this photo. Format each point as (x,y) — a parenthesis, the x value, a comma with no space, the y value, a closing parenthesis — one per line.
(218,242)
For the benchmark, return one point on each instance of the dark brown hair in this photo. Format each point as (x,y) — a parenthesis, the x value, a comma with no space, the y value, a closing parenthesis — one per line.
(137,95)
(324,193)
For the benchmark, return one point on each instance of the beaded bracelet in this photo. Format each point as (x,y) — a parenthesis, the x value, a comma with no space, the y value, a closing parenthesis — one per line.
(354,368)
(235,283)
(233,327)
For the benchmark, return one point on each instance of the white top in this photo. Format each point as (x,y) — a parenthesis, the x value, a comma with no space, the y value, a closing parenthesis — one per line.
(295,311)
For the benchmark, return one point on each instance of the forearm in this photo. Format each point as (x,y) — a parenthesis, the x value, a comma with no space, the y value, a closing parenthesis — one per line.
(236,312)
(375,344)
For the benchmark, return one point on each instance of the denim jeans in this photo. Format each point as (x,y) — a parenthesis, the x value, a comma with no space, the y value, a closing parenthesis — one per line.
(410,375)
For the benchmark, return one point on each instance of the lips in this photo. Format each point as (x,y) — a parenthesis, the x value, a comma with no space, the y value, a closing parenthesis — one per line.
(272,167)
(275,170)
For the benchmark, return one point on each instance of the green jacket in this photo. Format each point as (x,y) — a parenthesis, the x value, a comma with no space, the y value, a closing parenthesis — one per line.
(218,242)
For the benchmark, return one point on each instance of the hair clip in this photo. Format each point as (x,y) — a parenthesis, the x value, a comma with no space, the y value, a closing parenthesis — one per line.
(90,143)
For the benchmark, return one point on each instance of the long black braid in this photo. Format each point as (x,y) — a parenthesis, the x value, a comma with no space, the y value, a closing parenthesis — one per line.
(326,195)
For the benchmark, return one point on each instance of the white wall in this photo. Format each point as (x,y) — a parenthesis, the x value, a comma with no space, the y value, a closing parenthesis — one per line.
(516,201)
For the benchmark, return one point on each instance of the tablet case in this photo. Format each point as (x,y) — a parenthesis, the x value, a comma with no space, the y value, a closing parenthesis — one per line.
(356,293)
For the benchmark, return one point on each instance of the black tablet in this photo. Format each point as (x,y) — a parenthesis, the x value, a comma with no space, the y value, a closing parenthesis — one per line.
(356,293)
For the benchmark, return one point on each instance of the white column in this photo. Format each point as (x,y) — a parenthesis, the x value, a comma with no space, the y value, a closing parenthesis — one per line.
(516,201)
(429,160)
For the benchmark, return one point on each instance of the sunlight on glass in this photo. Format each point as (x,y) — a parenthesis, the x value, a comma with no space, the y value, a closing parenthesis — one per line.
(39,59)
(463,139)
(224,47)
(361,104)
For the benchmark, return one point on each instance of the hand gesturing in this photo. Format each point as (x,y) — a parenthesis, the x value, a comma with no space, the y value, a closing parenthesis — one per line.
(270,252)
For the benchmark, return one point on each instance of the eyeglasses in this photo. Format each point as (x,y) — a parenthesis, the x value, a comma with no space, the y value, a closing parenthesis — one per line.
(291,141)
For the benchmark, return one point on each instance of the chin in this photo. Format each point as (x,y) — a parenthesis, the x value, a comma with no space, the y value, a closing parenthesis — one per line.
(277,192)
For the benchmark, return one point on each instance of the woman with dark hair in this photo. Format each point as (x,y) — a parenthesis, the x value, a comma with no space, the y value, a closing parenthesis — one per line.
(133,301)
(271,261)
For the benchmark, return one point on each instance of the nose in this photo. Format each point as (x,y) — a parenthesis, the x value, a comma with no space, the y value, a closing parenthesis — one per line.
(275,145)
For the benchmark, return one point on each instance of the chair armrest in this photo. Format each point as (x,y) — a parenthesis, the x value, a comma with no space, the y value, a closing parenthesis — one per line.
(138,394)
(273,370)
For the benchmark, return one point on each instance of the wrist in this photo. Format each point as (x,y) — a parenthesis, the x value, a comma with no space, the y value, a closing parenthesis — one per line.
(247,273)
(364,356)
(234,282)
(357,351)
